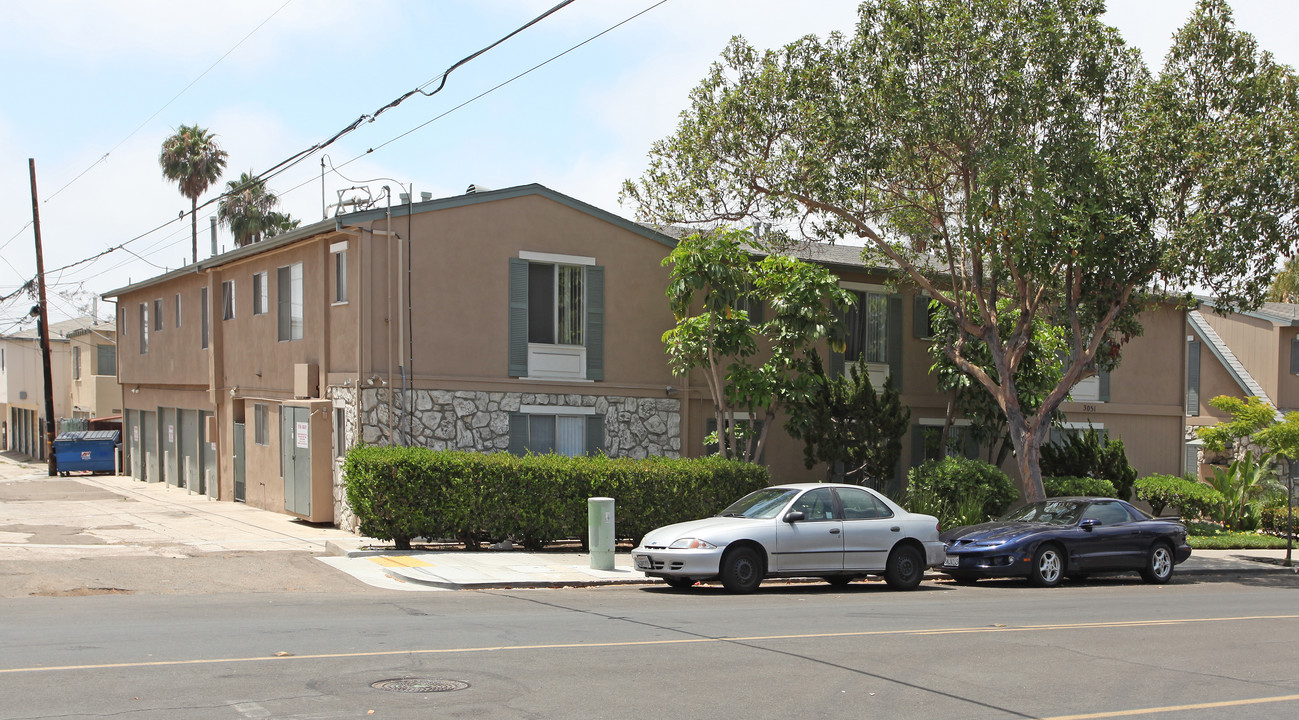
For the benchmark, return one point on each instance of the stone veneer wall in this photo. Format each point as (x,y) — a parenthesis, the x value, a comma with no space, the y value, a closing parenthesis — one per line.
(634,427)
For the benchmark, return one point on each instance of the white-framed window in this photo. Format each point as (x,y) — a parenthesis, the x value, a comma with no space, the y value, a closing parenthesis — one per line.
(339,251)
(261,424)
(556,304)
(260,300)
(563,430)
(144,328)
(288,291)
(228,300)
(867,326)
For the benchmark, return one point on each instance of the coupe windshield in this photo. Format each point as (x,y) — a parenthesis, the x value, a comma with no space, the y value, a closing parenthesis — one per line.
(760,503)
(1053,512)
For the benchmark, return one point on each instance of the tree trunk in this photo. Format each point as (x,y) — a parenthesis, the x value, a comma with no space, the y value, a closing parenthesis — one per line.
(1028,453)
(193,218)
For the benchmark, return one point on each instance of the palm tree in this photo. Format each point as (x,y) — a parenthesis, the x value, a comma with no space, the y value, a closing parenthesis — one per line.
(192,159)
(247,208)
(1285,284)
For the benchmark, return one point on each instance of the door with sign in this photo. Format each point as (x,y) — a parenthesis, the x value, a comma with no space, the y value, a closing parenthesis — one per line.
(295,433)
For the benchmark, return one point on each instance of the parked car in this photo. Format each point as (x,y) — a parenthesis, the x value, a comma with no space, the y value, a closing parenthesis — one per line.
(835,532)
(1067,537)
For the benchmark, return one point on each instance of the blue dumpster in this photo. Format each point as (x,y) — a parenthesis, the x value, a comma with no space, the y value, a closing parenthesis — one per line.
(93,451)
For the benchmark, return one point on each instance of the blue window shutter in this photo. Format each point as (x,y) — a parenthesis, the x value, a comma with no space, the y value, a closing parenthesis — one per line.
(518,433)
(1104,377)
(894,340)
(920,320)
(1294,356)
(594,434)
(594,322)
(518,331)
(1193,378)
(917,445)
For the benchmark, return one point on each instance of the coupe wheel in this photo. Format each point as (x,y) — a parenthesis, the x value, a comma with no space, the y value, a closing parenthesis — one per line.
(905,568)
(741,570)
(1048,567)
(1159,565)
(680,583)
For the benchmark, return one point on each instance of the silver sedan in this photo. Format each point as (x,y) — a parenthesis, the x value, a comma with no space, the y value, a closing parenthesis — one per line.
(835,532)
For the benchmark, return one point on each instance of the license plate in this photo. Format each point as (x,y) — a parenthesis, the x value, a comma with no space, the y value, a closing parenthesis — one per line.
(952,561)
(643,562)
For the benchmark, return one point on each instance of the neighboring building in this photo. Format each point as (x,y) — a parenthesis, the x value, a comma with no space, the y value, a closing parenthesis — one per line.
(74,349)
(510,320)
(1240,354)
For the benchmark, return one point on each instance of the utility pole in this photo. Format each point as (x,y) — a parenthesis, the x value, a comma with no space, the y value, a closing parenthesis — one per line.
(44,321)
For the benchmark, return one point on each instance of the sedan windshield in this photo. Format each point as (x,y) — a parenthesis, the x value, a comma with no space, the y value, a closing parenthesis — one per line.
(1053,512)
(764,503)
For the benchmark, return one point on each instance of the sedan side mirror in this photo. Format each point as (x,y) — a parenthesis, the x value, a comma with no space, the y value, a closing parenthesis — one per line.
(794,516)
(1089,523)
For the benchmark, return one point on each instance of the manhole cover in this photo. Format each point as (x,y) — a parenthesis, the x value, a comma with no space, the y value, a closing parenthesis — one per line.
(420,685)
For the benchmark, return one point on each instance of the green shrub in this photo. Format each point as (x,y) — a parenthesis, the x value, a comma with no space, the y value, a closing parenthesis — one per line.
(1089,454)
(955,482)
(1078,486)
(403,493)
(1277,521)
(1192,499)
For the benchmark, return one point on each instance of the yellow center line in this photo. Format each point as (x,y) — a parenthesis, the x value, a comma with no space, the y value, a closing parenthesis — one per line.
(1176,708)
(677,641)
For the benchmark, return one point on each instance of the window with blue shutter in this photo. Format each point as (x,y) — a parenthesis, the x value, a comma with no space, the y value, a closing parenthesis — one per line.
(556,304)
(1193,378)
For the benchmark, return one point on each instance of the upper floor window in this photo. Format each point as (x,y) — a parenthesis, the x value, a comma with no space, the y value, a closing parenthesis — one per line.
(144,328)
(556,303)
(177,309)
(288,291)
(340,271)
(867,326)
(556,317)
(203,316)
(228,300)
(157,314)
(261,424)
(76,363)
(107,360)
(260,298)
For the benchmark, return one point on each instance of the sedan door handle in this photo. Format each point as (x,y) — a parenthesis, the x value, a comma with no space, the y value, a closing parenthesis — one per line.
(895,528)
(834,531)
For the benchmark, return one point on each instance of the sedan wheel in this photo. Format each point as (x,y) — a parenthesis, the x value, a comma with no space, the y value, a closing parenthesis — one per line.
(1159,565)
(1048,567)
(741,570)
(905,568)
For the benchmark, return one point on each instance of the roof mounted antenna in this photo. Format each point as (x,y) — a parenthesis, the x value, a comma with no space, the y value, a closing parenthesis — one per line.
(362,200)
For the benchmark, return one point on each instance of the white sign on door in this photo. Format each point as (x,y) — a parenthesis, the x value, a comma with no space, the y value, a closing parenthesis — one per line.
(301,434)
(171,433)
(135,433)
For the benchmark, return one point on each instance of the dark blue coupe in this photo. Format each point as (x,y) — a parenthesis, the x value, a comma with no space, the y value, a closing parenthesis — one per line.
(1066,537)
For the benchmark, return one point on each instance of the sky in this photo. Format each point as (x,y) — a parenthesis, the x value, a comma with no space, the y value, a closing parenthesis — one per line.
(91,89)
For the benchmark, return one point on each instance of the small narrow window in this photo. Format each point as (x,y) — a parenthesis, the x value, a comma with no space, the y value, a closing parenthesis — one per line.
(261,424)
(228,300)
(157,314)
(259,293)
(288,290)
(340,432)
(203,315)
(144,328)
(106,360)
(340,276)
(177,309)
(76,363)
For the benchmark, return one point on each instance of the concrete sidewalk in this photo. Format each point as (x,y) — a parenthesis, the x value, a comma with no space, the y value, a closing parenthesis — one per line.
(88,517)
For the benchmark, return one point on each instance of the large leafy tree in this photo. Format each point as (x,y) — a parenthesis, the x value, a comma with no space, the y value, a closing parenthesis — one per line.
(193,160)
(750,363)
(248,209)
(1005,152)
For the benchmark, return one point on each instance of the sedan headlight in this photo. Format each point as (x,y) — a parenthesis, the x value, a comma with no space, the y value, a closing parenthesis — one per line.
(691,544)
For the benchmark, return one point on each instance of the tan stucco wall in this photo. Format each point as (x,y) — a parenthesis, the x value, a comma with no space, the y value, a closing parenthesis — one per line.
(1254,341)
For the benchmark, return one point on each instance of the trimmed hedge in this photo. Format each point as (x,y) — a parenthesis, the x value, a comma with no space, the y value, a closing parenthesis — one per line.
(403,493)
(1274,519)
(1078,486)
(953,480)
(1191,498)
